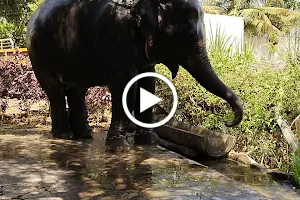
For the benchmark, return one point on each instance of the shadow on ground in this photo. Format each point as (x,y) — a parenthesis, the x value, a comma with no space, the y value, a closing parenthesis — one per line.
(33,165)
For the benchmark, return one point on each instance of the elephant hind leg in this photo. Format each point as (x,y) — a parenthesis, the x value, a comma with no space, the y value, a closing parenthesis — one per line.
(78,113)
(60,124)
(56,95)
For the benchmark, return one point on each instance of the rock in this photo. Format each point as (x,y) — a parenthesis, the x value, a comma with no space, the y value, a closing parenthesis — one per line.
(41,105)
(278,174)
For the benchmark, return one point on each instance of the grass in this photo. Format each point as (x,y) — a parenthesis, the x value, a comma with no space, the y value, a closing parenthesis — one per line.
(296,167)
(266,93)
(219,41)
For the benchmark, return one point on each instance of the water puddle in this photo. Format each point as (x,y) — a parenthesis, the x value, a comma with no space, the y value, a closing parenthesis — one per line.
(258,180)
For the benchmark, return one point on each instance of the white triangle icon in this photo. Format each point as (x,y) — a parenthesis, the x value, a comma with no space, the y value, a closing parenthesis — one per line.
(147,100)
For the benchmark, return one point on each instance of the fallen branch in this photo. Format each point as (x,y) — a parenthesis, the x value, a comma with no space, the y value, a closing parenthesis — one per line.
(245,159)
(158,110)
(287,133)
(294,121)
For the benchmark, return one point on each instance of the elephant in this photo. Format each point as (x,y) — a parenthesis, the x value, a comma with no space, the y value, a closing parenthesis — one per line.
(77,44)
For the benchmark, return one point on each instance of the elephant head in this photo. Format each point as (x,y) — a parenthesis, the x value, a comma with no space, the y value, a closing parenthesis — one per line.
(174,35)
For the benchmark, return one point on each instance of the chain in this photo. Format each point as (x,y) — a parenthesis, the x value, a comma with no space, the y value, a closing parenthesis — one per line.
(116,137)
(145,132)
(129,135)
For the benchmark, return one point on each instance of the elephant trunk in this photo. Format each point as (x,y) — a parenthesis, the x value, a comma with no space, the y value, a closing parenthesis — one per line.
(200,68)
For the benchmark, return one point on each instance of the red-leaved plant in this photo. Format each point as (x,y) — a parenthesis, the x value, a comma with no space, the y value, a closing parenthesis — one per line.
(17,80)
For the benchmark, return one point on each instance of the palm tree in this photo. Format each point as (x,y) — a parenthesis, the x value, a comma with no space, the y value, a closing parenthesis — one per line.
(261,16)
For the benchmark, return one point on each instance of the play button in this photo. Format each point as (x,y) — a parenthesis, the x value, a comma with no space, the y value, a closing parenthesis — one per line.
(147,99)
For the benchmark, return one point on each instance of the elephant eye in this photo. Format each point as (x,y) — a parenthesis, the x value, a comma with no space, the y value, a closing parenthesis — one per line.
(193,13)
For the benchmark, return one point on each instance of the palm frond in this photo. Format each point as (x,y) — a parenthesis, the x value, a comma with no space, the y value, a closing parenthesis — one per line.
(275,3)
(261,16)
(258,19)
(275,10)
(291,19)
(287,16)
(213,10)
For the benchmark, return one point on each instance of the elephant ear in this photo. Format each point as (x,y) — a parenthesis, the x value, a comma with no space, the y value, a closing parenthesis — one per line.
(146,14)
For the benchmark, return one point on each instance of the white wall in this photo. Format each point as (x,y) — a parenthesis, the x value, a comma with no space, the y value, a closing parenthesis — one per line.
(286,43)
(232,26)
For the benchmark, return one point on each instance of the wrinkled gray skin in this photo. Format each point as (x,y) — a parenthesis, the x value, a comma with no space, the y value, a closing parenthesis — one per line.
(77,44)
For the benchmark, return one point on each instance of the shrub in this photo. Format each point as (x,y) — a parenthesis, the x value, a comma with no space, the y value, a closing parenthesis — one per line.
(6,29)
(266,93)
(98,100)
(296,167)
(15,31)
(17,80)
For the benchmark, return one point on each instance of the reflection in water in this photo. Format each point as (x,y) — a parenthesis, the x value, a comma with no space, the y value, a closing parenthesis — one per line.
(104,173)
(254,178)
(239,173)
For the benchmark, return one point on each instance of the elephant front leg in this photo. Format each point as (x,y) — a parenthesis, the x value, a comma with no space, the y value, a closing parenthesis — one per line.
(116,137)
(145,135)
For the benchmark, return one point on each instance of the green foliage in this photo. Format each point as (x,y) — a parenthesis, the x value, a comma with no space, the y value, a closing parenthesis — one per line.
(16,13)
(219,42)
(275,3)
(273,41)
(14,10)
(296,168)
(292,4)
(266,93)
(213,10)
(14,31)
(6,29)
(261,17)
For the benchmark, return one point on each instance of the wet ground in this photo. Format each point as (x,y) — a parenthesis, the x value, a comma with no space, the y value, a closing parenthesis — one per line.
(33,165)
(257,180)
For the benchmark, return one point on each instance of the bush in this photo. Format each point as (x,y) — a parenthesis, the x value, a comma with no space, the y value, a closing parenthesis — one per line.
(6,29)
(266,93)
(17,80)
(15,31)
(15,15)
(296,167)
